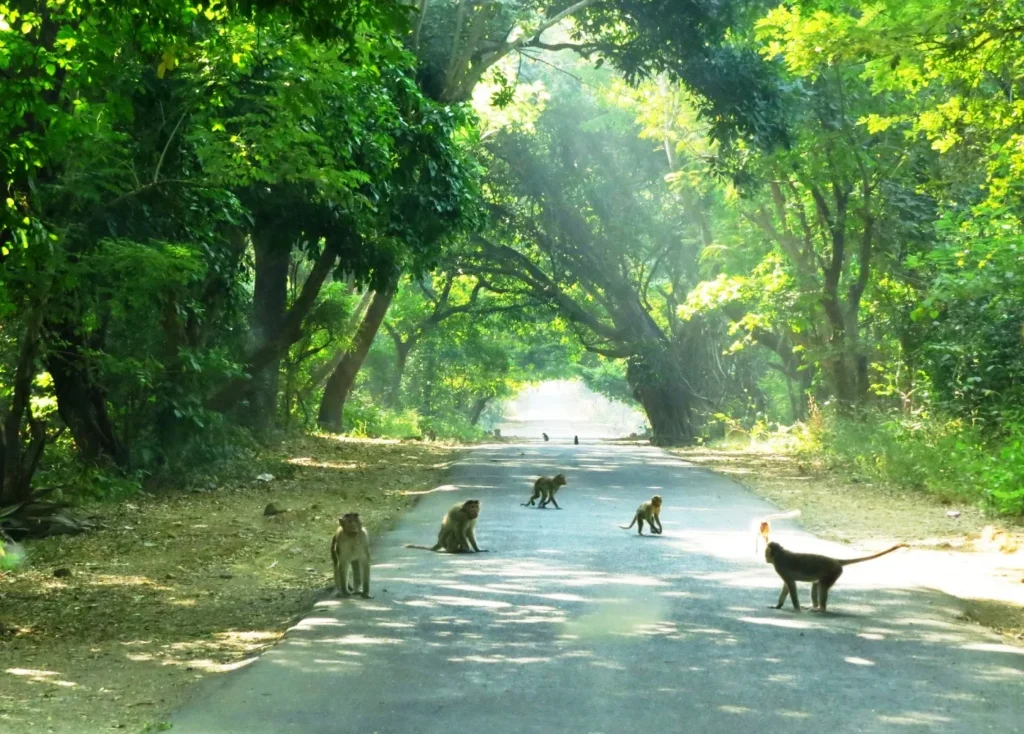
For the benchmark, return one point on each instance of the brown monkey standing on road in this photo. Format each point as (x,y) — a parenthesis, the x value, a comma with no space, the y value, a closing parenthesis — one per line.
(545,488)
(458,530)
(821,571)
(350,549)
(576,440)
(649,511)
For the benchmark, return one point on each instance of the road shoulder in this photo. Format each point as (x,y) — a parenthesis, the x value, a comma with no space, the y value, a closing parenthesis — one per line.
(964,557)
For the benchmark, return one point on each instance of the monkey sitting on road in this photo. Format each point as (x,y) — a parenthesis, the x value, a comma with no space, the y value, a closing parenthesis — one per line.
(458,530)
(350,550)
(576,440)
(649,511)
(545,488)
(545,436)
(821,571)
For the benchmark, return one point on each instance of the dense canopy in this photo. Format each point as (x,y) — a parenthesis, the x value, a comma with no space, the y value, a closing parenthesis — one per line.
(221,220)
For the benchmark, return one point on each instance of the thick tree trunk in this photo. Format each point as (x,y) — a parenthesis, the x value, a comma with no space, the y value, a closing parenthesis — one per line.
(269,305)
(336,391)
(81,403)
(477,410)
(18,458)
(665,398)
(289,331)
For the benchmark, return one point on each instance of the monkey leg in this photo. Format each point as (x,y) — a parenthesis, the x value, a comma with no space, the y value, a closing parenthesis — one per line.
(357,582)
(791,586)
(639,525)
(782,596)
(555,503)
(365,592)
(344,564)
(823,588)
(656,520)
(339,579)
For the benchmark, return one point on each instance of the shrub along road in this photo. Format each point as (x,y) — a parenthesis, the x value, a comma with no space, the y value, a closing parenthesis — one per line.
(571,624)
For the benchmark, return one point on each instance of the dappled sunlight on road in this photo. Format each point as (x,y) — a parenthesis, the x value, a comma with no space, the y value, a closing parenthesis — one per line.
(567,602)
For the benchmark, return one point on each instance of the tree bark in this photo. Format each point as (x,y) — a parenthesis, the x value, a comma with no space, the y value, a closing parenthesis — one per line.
(288,332)
(81,403)
(18,461)
(665,398)
(478,408)
(339,385)
(269,305)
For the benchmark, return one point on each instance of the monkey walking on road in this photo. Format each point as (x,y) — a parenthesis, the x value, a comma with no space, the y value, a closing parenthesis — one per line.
(458,530)
(821,571)
(649,511)
(350,551)
(545,488)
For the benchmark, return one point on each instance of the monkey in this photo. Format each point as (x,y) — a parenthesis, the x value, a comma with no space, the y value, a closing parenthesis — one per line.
(576,440)
(350,549)
(649,511)
(545,488)
(545,436)
(821,571)
(764,528)
(458,530)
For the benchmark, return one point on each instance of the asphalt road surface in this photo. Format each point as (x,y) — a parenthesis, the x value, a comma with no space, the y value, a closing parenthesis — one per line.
(570,624)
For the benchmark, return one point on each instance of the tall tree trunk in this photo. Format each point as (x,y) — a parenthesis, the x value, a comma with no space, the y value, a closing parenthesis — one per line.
(81,403)
(18,459)
(665,397)
(402,351)
(269,304)
(321,373)
(289,332)
(336,391)
(478,408)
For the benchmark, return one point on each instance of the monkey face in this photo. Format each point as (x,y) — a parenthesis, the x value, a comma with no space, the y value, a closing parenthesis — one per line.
(656,500)
(471,508)
(351,523)
(559,480)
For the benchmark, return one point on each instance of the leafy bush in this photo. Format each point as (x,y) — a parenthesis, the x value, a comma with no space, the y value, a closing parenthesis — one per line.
(942,456)
(364,418)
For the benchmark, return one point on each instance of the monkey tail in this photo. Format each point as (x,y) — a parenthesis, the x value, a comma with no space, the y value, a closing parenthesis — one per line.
(780,516)
(877,555)
(631,524)
(420,547)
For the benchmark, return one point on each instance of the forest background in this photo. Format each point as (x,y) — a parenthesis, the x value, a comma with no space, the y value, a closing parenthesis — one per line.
(224,220)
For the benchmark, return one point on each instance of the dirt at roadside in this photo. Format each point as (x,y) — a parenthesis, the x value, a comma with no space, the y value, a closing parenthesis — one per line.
(187,584)
(988,554)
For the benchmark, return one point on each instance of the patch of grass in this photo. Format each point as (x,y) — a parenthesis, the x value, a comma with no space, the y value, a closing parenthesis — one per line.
(187,583)
(943,457)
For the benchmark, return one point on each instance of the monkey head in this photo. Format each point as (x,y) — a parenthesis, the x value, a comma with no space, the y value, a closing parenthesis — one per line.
(559,480)
(770,550)
(656,500)
(471,508)
(350,523)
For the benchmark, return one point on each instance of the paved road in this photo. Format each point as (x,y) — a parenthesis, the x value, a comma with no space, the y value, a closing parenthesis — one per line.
(572,625)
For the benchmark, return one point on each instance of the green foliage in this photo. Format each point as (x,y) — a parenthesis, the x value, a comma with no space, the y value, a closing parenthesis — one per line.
(365,418)
(942,456)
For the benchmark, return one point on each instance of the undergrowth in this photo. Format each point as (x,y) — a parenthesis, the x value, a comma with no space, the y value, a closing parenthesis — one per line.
(946,457)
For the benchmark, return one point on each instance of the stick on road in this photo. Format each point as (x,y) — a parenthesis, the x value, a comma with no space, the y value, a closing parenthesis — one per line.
(573,625)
